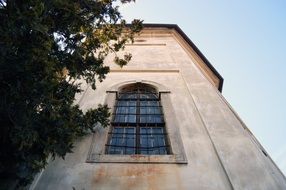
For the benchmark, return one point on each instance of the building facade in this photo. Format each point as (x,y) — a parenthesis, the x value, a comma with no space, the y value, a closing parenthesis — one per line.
(171,127)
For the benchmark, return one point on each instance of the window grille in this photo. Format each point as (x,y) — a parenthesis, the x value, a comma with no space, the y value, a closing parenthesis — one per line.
(138,125)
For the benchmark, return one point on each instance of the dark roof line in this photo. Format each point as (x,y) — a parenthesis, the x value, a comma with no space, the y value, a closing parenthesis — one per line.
(187,39)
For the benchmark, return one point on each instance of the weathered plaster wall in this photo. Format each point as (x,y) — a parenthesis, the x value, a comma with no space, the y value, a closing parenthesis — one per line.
(220,151)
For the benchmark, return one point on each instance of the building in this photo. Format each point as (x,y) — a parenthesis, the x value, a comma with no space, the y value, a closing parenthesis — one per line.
(171,127)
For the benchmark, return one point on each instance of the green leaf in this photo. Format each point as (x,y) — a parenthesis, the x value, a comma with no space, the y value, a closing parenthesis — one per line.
(45,47)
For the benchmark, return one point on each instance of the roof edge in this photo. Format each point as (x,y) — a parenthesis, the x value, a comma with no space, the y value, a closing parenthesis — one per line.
(195,48)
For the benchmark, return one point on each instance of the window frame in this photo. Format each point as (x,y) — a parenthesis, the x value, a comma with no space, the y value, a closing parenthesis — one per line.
(97,152)
(139,97)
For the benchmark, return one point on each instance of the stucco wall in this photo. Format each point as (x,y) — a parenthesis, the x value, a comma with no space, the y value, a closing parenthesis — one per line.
(221,153)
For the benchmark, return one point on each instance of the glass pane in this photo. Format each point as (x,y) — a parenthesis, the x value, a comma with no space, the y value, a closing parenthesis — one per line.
(150,119)
(163,150)
(143,130)
(132,110)
(122,103)
(151,110)
(120,109)
(158,110)
(158,119)
(144,140)
(121,118)
(154,103)
(151,140)
(130,151)
(125,118)
(126,103)
(130,130)
(148,96)
(143,103)
(131,119)
(116,118)
(126,110)
(122,141)
(130,142)
(132,103)
(128,96)
(143,110)
(143,119)
(149,103)
(157,130)
(118,130)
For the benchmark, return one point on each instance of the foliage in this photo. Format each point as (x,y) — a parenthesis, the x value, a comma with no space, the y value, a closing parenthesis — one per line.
(45,46)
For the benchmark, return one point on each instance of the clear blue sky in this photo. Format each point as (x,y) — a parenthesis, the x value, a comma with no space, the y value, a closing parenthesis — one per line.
(246,42)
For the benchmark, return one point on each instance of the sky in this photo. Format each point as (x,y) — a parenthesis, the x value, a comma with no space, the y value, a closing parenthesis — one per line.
(246,42)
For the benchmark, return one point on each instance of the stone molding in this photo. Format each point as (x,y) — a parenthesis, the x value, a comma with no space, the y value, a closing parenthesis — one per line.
(97,148)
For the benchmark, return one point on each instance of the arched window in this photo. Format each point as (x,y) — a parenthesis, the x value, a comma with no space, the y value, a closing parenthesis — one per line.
(138,125)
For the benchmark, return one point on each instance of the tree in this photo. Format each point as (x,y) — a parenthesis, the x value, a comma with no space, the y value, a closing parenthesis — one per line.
(45,46)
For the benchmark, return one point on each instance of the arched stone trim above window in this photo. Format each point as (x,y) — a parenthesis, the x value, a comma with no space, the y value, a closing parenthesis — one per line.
(159,87)
(99,151)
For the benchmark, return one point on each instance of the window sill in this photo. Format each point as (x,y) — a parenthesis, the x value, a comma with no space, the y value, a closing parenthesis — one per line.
(136,158)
